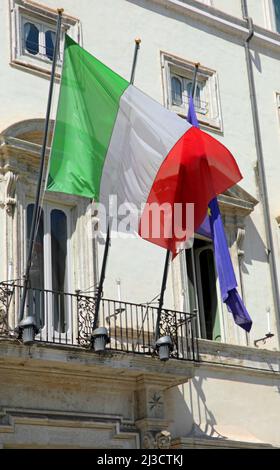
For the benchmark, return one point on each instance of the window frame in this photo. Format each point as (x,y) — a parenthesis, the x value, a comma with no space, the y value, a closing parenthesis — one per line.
(198,287)
(174,66)
(270,16)
(47,263)
(45,18)
(43,28)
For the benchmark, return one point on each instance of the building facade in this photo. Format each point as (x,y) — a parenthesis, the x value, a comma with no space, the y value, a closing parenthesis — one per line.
(221,386)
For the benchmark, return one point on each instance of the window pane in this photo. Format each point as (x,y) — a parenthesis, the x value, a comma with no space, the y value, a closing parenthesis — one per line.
(37,267)
(59,253)
(276,4)
(209,295)
(197,97)
(50,41)
(176,89)
(35,298)
(31,38)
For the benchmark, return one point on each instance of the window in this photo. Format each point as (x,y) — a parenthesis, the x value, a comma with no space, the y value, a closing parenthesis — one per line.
(177,80)
(181,89)
(33,31)
(276,11)
(202,279)
(272,12)
(37,39)
(49,269)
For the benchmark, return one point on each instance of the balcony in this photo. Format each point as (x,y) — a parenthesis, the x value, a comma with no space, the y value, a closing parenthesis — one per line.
(66,319)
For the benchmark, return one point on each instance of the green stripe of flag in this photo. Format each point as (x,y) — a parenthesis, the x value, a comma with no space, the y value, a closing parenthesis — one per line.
(87,110)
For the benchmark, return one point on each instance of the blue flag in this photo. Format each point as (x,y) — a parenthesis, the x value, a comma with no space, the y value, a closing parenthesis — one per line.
(205,228)
(212,227)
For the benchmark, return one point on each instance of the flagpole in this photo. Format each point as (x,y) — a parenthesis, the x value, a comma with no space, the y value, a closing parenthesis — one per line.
(195,297)
(36,210)
(168,253)
(108,235)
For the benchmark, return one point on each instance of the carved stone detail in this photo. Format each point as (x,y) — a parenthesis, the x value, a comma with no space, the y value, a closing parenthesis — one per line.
(240,241)
(10,201)
(156,440)
(155,404)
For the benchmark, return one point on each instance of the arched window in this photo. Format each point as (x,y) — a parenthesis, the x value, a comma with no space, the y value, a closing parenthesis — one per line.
(49,276)
(49,42)
(31,38)
(176,88)
(58,255)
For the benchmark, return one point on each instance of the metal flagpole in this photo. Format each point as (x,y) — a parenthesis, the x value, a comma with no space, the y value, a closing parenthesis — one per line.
(36,210)
(195,297)
(107,243)
(167,257)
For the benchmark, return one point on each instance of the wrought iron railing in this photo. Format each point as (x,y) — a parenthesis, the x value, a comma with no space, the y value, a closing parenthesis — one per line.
(67,319)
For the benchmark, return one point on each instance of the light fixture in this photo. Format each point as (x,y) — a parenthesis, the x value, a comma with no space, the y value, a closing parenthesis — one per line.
(164,346)
(99,339)
(29,329)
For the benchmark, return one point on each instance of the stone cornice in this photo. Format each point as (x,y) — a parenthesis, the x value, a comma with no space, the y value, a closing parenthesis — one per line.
(236,206)
(221,21)
(69,361)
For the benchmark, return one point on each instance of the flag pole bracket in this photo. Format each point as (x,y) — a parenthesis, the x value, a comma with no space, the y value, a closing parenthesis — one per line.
(264,339)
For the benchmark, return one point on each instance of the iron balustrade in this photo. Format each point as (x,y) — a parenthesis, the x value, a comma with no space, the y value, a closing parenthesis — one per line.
(66,319)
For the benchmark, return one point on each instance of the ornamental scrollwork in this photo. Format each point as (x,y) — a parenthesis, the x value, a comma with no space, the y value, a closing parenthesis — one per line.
(168,327)
(5,298)
(86,307)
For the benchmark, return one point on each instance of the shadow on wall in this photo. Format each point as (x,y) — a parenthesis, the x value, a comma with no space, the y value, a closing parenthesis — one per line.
(222,406)
(191,417)
(255,251)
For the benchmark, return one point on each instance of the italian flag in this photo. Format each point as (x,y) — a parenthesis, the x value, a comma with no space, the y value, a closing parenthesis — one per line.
(112,139)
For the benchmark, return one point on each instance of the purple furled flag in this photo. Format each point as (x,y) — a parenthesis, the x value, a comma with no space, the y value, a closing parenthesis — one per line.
(212,227)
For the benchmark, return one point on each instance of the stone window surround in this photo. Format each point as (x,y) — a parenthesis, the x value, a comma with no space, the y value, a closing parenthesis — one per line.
(39,14)
(174,64)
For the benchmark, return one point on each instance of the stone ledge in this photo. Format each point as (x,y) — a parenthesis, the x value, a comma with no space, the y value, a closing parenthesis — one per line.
(216,443)
(73,361)
(244,359)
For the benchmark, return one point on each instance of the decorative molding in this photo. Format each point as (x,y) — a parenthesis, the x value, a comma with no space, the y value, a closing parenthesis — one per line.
(109,431)
(236,201)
